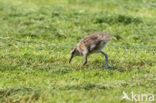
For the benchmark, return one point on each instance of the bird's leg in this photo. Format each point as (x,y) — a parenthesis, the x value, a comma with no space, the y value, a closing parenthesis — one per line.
(106,58)
(85,61)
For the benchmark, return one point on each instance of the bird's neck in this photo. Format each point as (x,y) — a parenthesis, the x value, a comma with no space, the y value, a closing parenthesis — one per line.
(79,53)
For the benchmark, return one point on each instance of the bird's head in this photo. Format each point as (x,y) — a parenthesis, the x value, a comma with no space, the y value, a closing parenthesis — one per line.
(74,52)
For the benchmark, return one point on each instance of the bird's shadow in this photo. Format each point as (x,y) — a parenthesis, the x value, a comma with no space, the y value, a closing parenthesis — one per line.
(103,67)
(114,68)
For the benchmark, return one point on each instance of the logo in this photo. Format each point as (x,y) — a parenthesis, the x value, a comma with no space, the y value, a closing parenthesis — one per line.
(138,97)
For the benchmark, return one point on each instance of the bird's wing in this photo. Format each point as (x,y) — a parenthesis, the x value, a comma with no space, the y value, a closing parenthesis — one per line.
(91,41)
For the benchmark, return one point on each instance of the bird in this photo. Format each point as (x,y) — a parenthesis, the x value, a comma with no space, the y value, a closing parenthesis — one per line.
(91,44)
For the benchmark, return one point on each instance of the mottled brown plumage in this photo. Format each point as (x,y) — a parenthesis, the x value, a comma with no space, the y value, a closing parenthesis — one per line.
(91,44)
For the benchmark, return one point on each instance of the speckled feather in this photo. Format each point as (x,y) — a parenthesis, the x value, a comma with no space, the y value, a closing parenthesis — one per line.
(93,43)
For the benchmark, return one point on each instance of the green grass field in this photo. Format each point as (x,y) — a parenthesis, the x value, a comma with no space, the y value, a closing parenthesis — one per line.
(35,41)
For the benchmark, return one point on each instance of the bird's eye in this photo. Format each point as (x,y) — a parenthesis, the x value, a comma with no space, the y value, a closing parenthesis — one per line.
(72,52)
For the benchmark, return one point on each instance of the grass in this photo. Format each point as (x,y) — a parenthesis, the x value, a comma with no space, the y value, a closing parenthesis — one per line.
(35,41)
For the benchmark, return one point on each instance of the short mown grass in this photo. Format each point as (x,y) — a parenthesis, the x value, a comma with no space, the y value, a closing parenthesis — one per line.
(35,41)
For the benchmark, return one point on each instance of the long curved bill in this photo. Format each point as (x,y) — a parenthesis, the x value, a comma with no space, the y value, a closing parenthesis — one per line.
(70,58)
